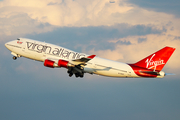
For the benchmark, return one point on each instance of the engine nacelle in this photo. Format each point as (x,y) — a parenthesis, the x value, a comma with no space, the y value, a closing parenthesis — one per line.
(63,63)
(49,63)
(59,63)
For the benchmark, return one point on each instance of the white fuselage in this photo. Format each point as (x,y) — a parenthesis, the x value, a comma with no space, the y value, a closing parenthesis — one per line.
(41,51)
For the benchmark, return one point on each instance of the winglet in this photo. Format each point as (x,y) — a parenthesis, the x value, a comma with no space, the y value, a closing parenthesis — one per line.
(91,56)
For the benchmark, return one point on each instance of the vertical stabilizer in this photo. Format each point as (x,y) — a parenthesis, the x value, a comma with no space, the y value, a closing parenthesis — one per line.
(157,60)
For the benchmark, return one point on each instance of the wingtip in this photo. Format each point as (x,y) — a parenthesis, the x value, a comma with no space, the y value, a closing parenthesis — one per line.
(91,56)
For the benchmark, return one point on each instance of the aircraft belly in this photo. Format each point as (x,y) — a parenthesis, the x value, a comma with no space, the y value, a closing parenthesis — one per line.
(112,69)
(112,73)
(116,73)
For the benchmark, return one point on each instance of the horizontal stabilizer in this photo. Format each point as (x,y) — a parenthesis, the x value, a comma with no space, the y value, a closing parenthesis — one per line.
(150,72)
(170,74)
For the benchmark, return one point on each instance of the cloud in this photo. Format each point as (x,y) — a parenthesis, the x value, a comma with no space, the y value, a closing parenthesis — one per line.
(108,54)
(97,37)
(67,13)
(83,13)
(20,24)
(88,26)
(37,16)
(136,51)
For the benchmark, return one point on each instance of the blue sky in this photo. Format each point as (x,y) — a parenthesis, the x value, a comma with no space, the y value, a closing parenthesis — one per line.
(167,6)
(125,31)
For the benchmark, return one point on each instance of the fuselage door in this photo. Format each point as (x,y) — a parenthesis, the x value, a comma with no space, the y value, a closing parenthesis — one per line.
(21,43)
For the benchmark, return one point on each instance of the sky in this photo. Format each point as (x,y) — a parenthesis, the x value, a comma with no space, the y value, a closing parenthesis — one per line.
(120,30)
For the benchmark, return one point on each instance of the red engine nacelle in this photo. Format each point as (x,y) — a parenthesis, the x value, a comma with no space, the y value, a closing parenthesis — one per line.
(63,63)
(49,63)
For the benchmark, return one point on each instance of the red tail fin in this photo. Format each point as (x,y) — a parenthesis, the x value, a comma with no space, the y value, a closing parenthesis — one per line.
(157,60)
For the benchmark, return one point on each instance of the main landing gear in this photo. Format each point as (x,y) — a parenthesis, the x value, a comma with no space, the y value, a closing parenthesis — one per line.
(81,75)
(70,72)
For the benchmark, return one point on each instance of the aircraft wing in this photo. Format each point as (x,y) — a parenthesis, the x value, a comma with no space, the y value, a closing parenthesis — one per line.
(75,66)
(82,61)
(71,63)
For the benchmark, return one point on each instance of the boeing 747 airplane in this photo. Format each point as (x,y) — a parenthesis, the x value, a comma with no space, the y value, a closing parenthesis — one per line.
(54,56)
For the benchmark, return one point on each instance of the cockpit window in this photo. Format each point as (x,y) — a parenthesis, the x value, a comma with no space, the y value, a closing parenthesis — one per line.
(18,39)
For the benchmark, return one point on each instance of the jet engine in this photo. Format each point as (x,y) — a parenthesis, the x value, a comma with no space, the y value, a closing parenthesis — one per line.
(49,63)
(64,63)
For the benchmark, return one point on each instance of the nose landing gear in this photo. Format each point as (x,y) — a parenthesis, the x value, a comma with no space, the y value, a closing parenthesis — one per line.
(14,57)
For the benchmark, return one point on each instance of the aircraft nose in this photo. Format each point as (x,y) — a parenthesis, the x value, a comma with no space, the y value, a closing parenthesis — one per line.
(6,45)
